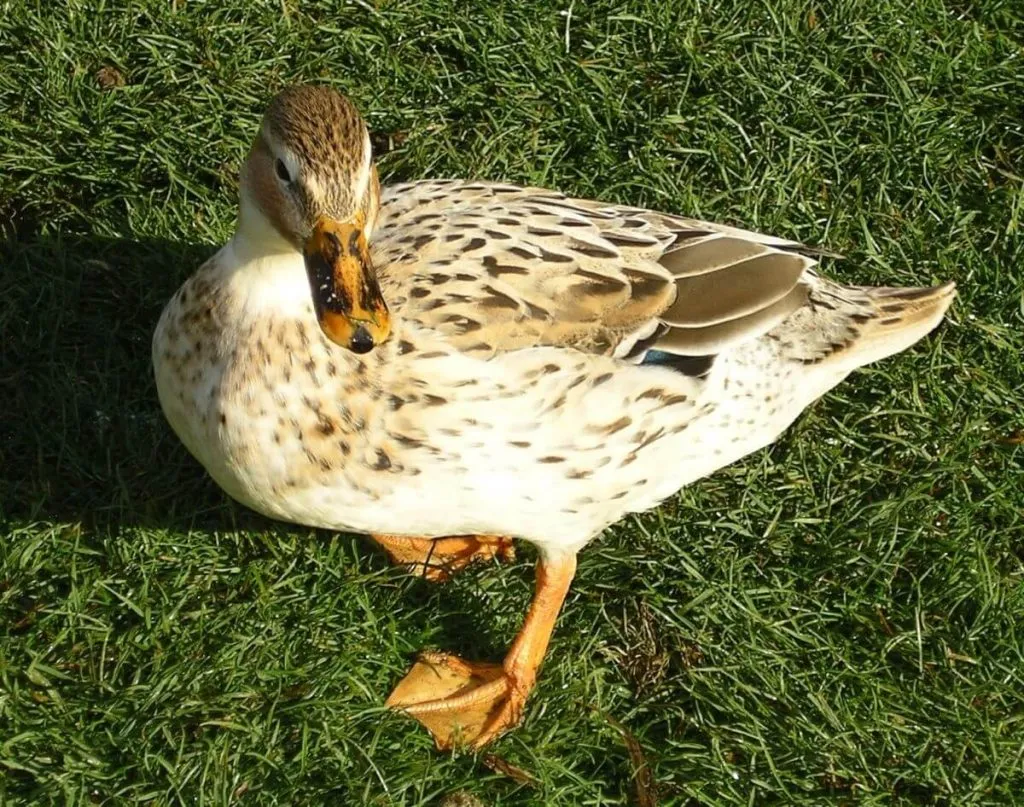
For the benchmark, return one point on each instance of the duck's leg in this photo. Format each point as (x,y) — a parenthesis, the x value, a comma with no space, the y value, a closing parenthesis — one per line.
(437,559)
(463,702)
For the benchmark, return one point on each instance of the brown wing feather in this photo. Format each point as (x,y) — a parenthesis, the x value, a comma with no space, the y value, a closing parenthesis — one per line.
(716,338)
(499,267)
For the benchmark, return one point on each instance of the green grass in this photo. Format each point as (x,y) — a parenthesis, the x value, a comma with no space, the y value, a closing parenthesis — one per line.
(836,620)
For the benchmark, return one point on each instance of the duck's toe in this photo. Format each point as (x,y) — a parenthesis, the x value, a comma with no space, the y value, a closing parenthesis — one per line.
(461,703)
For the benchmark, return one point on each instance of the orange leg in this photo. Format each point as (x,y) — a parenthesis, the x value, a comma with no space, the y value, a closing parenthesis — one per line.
(437,559)
(462,702)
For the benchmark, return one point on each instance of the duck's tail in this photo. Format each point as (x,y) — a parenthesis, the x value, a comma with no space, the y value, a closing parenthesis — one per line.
(850,326)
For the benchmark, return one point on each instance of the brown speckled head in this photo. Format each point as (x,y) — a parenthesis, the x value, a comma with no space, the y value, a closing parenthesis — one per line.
(311,174)
(311,159)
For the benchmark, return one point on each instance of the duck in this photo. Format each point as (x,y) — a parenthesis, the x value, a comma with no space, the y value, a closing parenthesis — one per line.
(449,366)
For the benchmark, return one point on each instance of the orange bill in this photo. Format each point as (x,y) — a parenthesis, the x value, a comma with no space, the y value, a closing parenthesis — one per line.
(346,295)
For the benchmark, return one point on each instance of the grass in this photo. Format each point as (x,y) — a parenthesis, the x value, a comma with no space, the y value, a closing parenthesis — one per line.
(836,620)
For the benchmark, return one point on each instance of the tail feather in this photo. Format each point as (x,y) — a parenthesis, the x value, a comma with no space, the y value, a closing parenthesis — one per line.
(902,317)
(850,326)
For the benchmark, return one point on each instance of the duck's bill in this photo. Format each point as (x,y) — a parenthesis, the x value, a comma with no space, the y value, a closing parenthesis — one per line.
(346,295)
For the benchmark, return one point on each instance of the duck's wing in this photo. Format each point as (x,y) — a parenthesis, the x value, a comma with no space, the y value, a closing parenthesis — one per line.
(499,267)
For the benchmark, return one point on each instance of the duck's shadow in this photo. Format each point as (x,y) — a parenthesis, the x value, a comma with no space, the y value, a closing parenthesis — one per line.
(82,437)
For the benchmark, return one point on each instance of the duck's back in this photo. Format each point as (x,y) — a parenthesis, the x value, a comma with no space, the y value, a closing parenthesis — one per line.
(498,268)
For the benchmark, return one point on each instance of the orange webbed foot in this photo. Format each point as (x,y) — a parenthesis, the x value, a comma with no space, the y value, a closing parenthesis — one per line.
(438,559)
(469,703)
(461,703)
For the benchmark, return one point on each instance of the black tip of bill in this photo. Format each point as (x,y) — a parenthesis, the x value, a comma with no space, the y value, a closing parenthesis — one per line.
(361,341)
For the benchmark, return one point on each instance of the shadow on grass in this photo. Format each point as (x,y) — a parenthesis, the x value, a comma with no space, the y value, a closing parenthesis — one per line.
(82,437)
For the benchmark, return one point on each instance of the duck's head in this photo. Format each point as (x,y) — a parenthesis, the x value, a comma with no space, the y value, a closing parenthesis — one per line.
(311,175)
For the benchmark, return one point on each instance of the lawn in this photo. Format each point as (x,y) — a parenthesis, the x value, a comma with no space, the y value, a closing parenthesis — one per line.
(838,619)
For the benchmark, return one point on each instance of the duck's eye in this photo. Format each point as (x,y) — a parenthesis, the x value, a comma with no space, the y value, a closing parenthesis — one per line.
(282,171)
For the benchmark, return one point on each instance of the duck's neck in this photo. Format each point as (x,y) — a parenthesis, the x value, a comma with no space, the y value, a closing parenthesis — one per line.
(260,261)
(255,238)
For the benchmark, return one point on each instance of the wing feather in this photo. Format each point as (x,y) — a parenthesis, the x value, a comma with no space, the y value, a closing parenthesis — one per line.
(498,268)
